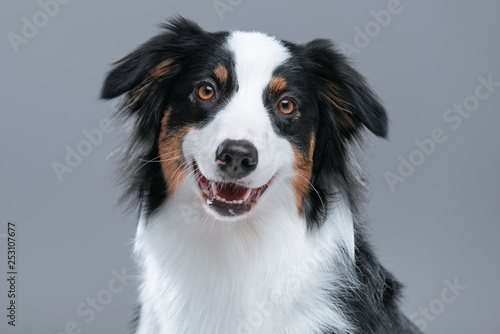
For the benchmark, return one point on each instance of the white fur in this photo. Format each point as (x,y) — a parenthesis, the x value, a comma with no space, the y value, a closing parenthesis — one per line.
(202,275)
(264,273)
(245,116)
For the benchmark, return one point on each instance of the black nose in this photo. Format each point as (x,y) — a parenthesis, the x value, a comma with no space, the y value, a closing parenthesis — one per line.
(236,158)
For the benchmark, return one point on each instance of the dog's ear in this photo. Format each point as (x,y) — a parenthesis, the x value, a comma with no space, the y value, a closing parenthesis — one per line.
(145,77)
(138,71)
(345,91)
(347,105)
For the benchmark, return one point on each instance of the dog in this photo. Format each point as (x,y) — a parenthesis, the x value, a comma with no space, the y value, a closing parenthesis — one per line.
(244,161)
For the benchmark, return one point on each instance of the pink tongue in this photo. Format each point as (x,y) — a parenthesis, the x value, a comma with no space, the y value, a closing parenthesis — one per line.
(230,192)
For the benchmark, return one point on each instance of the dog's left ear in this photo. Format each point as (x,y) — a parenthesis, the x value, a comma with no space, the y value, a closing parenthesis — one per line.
(345,91)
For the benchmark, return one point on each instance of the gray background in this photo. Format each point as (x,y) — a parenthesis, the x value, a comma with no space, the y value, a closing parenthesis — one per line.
(440,224)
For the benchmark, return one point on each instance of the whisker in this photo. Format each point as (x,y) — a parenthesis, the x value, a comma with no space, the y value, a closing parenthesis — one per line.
(162,160)
(185,165)
(169,152)
(181,169)
(154,160)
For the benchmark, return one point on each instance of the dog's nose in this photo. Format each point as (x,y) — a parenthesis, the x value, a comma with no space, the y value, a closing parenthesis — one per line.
(236,158)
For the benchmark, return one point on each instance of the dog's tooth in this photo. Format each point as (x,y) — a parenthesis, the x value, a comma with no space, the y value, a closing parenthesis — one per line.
(220,199)
(214,187)
(249,191)
(239,202)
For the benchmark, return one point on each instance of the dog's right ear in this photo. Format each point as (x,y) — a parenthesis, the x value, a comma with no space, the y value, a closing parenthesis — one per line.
(137,72)
(145,78)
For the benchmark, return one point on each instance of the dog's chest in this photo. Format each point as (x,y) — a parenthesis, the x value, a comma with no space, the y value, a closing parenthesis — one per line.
(238,280)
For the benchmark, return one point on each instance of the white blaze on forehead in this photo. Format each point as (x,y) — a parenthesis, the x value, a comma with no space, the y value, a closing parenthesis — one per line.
(244,116)
(256,57)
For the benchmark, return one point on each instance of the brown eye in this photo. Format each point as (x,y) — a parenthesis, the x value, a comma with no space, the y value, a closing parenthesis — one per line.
(286,106)
(206,92)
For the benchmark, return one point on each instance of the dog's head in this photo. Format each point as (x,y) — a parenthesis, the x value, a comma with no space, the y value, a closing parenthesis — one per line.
(235,113)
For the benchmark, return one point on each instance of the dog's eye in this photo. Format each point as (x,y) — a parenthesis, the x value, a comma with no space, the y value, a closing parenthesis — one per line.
(206,92)
(286,106)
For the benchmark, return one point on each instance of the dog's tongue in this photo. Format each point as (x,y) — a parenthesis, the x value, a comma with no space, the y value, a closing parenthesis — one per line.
(230,192)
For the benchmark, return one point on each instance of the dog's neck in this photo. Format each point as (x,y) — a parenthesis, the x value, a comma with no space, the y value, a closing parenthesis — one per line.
(225,273)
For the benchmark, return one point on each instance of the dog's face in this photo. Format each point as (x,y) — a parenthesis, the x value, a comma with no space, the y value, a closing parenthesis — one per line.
(249,107)
(232,114)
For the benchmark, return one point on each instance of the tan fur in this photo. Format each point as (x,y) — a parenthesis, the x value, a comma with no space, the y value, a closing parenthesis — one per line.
(303,172)
(342,108)
(221,73)
(277,84)
(172,161)
(162,68)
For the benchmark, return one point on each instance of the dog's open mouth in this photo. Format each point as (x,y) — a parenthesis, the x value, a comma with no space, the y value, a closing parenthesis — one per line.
(228,199)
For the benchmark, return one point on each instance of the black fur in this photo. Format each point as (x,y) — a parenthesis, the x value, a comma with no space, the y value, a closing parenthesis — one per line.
(336,106)
(313,68)
(373,304)
(188,46)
